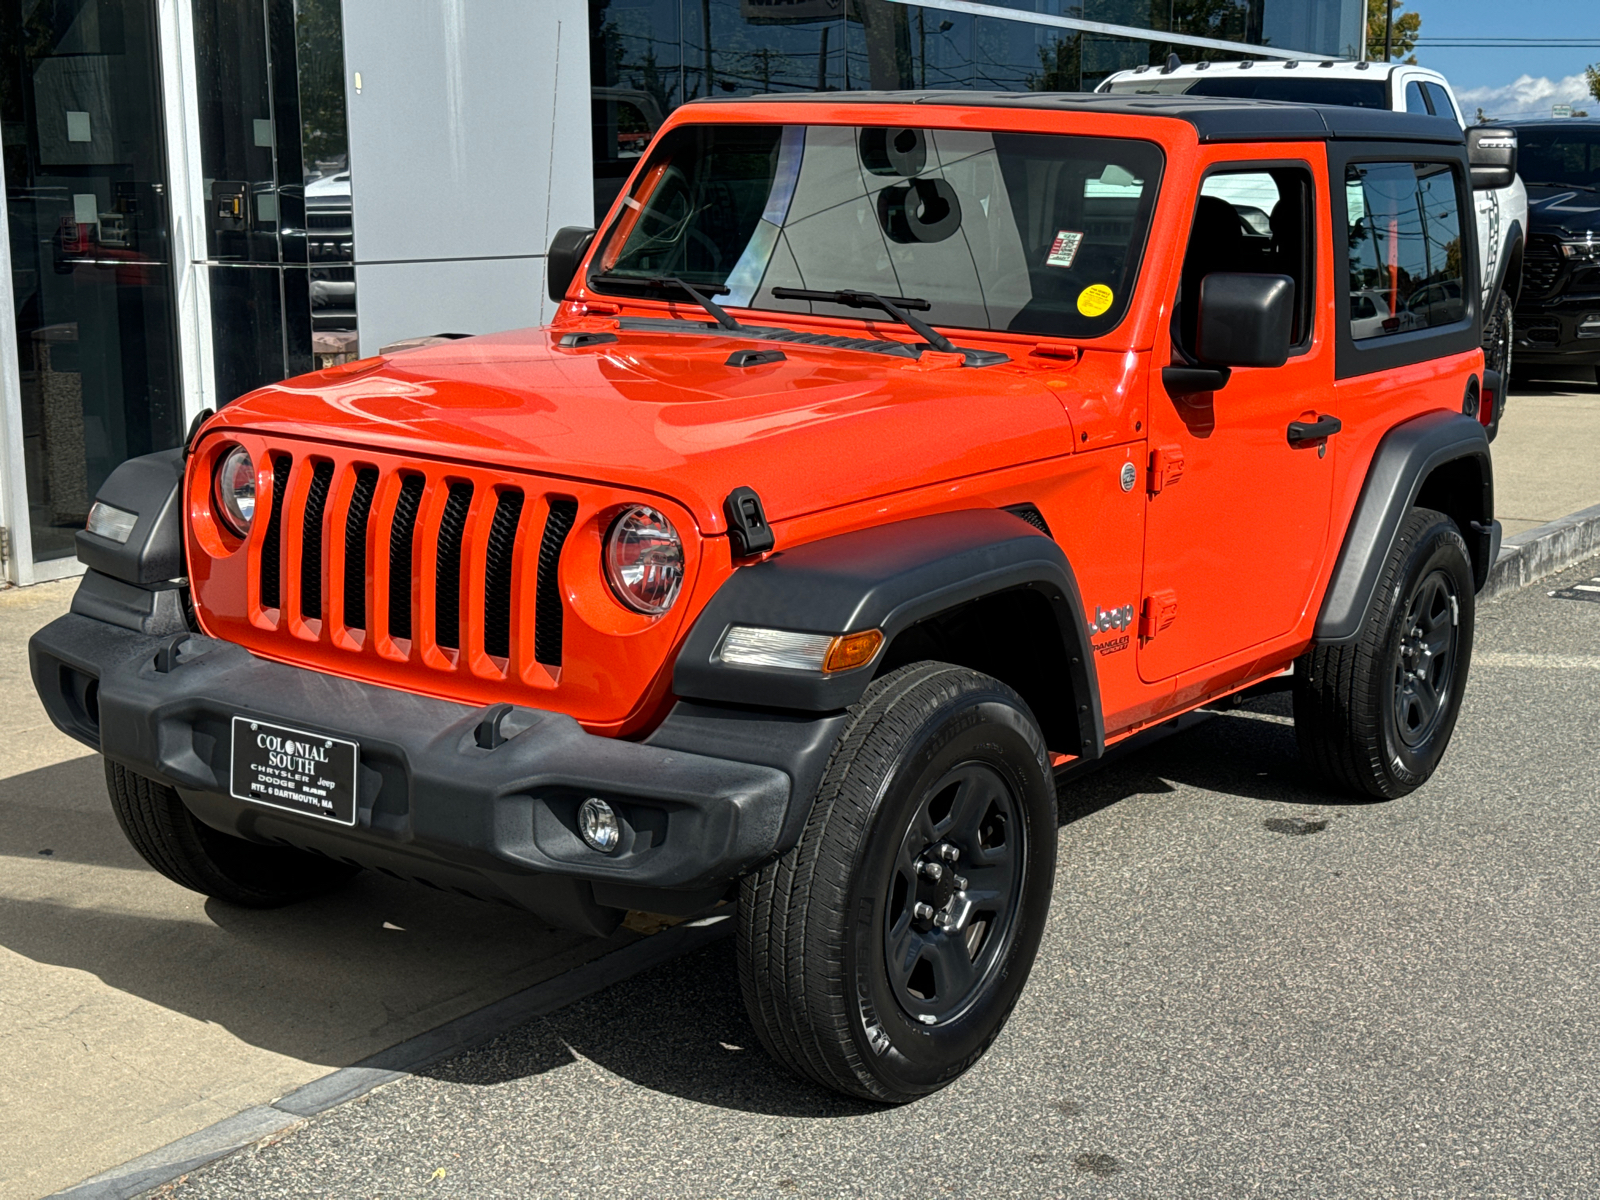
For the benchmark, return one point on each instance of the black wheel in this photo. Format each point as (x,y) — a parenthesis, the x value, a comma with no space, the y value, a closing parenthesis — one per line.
(191,853)
(1377,714)
(883,953)
(1499,341)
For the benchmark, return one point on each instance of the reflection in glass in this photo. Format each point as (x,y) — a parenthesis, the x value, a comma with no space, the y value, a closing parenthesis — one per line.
(275,151)
(85,171)
(1405,248)
(1036,233)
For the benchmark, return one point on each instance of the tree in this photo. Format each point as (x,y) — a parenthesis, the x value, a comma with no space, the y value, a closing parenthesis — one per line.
(1591,76)
(1406,27)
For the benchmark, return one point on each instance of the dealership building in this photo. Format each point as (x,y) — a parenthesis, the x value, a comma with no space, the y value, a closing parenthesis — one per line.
(203,196)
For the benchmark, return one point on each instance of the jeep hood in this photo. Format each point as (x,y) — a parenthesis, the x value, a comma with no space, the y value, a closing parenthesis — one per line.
(664,412)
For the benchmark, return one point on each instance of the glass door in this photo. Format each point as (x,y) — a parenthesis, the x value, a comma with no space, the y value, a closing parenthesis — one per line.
(88,227)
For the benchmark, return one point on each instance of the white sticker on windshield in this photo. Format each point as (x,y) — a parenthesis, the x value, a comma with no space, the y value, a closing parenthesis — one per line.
(1064,249)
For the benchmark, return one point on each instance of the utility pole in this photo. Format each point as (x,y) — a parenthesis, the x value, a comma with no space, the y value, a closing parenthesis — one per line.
(1388,30)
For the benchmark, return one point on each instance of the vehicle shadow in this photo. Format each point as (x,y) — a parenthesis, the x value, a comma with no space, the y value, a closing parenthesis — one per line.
(1246,749)
(682,1030)
(335,979)
(328,981)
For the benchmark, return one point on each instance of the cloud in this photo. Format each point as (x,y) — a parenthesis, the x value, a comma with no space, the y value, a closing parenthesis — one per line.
(1527,97)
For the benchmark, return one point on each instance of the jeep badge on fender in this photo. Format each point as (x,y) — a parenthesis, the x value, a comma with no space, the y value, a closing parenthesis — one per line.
(759,574)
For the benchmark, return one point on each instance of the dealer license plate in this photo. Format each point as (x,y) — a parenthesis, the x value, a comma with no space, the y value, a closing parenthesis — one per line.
(307,773)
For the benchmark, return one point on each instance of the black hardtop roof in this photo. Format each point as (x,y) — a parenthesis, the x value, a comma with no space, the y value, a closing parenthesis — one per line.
(1215,118)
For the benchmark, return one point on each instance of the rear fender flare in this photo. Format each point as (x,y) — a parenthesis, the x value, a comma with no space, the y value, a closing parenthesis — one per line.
(1442,454)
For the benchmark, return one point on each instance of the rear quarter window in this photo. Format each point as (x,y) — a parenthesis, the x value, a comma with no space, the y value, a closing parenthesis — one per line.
(1405,252)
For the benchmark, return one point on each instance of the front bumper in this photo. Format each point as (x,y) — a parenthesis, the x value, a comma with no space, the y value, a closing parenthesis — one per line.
(1565,333)
(432,805)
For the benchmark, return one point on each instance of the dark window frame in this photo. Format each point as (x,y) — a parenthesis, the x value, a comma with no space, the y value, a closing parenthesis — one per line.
(1307,302)
(1354,358)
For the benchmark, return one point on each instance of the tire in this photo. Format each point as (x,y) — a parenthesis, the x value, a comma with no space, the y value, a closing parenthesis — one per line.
(191,853)
(1362,714)
(938,759)
(1499,342)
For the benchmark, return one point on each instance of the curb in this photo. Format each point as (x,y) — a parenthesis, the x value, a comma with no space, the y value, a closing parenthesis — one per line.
(1532,555)
(407,1058)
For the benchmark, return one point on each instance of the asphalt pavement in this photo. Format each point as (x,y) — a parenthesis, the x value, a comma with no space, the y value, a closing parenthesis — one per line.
(1251,986)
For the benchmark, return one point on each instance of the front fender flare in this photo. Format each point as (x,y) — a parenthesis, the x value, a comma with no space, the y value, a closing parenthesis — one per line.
(888,577)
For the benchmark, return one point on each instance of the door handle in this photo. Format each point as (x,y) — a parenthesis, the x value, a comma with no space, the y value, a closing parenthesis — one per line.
(1301,432)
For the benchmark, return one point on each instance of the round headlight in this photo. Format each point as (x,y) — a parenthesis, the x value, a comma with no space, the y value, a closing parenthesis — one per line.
(644,560)
(236,490)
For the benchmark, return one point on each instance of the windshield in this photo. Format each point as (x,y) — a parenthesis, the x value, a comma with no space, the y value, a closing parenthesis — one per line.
(1259,85)
(1559,156)
(1034,233)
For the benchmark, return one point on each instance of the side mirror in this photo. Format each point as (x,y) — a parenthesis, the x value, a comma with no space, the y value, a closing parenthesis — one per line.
(1245,321)
(1492,157)
(567,249)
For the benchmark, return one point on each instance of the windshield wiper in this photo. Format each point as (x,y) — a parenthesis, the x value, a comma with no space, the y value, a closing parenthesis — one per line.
(896,308)
(1582,187)
(697,293)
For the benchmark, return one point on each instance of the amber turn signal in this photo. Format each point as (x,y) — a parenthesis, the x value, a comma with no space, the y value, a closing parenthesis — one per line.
(852,650)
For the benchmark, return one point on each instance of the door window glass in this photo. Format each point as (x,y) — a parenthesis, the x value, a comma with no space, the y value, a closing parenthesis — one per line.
(1441,101)
(1405,248)
(1255,220)
(1415,102)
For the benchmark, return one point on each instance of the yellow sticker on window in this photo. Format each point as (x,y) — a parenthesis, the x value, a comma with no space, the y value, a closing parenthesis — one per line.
(1094,300)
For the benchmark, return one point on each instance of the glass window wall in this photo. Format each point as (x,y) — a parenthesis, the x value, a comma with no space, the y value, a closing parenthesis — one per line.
(89,228)
(275,153)
(648,56)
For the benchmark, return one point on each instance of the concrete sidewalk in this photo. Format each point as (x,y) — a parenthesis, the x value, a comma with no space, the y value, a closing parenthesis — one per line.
(134,1013)
(1547,457)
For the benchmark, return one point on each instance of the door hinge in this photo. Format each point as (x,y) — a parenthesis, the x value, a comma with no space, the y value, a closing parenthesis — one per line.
(1160,610)
(5,549)
(1166,467)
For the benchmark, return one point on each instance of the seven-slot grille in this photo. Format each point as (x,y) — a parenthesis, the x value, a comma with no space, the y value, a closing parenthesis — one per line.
(1542,266)
(416,561)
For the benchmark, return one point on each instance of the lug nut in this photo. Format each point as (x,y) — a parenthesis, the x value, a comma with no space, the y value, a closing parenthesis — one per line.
(942,920)
(922,911)
(961,883)
(931,870)
(949,853)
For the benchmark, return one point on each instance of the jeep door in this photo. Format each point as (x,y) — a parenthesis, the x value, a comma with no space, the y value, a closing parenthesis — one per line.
(1237,515)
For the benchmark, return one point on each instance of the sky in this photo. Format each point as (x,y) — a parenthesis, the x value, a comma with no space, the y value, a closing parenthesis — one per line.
(1506,80)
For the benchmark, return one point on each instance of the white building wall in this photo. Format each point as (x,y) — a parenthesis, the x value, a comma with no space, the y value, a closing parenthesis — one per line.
(469,147)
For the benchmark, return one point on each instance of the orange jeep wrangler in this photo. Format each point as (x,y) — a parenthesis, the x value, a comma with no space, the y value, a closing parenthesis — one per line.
(889,455)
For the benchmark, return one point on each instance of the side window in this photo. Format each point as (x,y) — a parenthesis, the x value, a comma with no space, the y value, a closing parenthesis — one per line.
(1441,101)
(1415,103)
(1257,219)
(1405,248)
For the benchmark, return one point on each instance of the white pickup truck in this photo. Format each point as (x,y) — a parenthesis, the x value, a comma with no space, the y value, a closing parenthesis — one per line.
(1399,87)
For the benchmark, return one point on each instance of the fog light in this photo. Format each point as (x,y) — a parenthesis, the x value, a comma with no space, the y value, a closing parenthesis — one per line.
(598,825)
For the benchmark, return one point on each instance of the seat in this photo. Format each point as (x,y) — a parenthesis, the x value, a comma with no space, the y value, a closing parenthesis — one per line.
(1216,243)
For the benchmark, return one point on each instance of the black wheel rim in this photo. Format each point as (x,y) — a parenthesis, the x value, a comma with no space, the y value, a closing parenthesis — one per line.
(1425,662)
(952,901)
